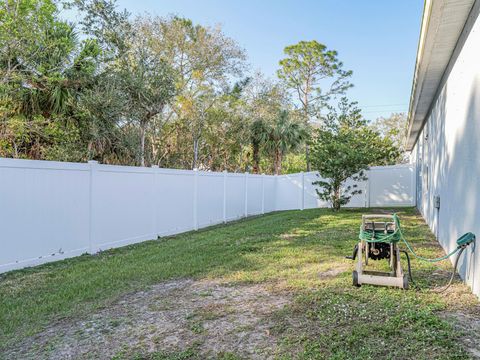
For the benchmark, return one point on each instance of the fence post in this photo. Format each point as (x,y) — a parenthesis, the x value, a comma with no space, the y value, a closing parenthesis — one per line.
(224,196)
(155,200)
(195,199)
(275,188)
(91,236)
(263,193)
(413,172)
(246,194)
(367,195)
(302,191)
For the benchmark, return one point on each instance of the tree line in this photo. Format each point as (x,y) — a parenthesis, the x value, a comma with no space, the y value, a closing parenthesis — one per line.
(152,90)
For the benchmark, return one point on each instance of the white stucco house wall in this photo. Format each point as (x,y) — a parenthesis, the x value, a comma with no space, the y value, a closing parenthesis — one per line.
(444,126)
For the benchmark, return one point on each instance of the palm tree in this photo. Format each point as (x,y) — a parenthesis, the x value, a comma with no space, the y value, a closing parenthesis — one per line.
(258,137)
(284,135)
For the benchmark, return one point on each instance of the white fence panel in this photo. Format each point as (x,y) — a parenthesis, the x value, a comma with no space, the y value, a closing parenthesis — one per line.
(254,194)
(289,192)
(123,206)
(174,201)
(311,199)
(235,196)
(44,212)
(391,185)
(358,200)
(269,193)
(385,186)
(54,210)
(210,198)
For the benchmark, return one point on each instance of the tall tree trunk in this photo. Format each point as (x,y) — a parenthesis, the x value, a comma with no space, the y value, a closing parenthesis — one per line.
(142,143)
(306,104)
(154,139)
(15,150)
(197,133)
(277,162)
(280,160)
(307,156)
(155,159)
(195,153)
(256,159)
(336,201)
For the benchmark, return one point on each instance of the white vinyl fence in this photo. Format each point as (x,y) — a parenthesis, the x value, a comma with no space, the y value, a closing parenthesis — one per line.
(386,186)
(54,210)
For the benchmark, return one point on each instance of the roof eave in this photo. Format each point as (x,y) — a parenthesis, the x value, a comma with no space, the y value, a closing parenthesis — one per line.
(443,23)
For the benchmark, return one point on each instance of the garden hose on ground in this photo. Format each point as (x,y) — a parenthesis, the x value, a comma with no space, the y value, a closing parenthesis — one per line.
(454,270)
(397,235)
(409,267)
(451,277)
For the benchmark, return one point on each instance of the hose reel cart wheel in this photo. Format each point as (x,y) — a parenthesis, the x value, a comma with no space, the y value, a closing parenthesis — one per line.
(355,279)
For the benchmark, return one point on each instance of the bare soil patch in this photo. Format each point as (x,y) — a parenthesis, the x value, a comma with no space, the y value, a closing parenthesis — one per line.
(212,317)
(465,318)
(469,325)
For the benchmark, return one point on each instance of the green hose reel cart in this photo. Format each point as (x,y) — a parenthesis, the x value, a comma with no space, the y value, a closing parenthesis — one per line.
(380,235)
(379,241)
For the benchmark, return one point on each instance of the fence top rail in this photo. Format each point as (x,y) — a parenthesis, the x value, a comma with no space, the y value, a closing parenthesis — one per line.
(64,165)
(212,174)
(391,167)
(123,169)
(174,171)
(42,164)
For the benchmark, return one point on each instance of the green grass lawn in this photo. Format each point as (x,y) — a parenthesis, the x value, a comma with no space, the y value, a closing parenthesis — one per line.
(287,250)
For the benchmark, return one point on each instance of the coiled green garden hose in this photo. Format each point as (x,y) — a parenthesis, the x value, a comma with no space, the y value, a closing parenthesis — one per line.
(397,235)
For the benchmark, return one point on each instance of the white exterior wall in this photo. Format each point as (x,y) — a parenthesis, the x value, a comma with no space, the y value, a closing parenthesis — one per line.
(54,210)
(447,154)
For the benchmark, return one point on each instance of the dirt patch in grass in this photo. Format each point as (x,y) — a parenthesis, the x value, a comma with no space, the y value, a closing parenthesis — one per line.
(469,325)
(211,317)
(463,313)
